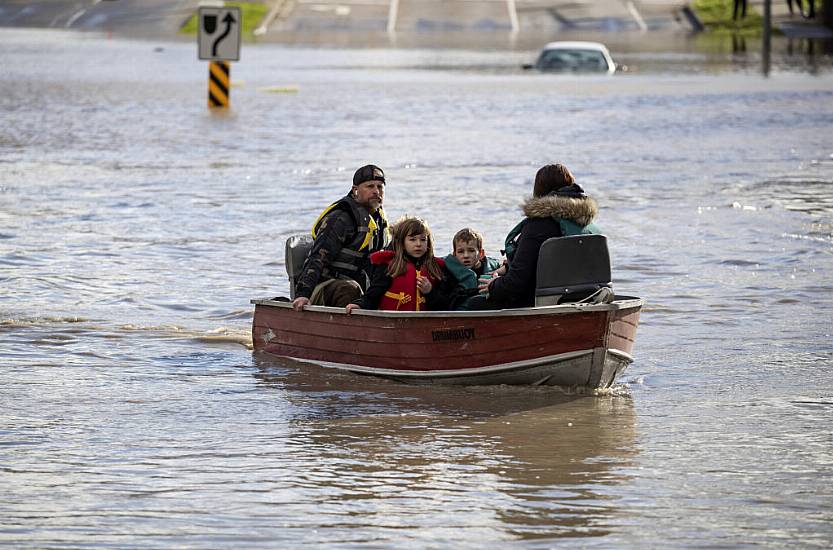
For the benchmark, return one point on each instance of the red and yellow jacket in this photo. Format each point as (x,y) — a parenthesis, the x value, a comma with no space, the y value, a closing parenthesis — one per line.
(401,293)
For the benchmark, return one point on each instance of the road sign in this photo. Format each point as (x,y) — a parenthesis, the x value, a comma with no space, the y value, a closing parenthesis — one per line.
(219,34)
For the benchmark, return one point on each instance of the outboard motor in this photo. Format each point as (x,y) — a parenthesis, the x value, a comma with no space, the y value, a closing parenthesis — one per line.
(297,249)
(573,269)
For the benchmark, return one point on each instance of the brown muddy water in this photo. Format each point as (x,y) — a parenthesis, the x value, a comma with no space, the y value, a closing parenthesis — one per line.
(135,226)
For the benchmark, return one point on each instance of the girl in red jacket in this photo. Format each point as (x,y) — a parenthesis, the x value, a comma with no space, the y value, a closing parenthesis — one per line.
(409,277)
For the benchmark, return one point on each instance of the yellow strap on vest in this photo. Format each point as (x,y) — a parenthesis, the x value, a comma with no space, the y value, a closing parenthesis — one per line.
(321,216)
(400,297)
(368,237)
(420,298)
(371,225)
(374,228)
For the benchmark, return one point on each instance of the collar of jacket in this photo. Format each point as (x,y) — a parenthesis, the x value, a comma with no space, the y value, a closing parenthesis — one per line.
(581,211)
(386,257)
(382,257)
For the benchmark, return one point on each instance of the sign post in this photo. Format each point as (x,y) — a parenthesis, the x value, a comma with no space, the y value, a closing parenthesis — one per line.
(767,45)
(218,41)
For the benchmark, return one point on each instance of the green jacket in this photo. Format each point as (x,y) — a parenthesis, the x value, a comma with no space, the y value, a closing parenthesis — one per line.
(568,228)
(466,277)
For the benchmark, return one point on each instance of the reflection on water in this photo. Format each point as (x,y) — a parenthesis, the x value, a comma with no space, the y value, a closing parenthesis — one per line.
(135,226)
(718,52)
(538,457)
(796,193)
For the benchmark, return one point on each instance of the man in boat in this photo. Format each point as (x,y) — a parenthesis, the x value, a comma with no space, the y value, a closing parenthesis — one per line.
(558,208)
(335,272)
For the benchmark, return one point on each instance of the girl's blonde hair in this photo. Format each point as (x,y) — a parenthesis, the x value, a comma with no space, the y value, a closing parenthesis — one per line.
(405,227)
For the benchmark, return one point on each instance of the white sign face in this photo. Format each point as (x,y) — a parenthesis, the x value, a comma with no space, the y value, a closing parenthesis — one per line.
(219,34)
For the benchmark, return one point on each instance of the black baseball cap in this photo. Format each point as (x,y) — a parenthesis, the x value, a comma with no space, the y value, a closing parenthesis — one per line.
(370,172)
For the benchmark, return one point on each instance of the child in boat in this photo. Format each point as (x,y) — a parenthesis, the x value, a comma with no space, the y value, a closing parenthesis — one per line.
(468,263)
(408,277)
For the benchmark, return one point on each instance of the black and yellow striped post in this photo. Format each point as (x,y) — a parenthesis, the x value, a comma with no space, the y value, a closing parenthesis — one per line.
(219,73)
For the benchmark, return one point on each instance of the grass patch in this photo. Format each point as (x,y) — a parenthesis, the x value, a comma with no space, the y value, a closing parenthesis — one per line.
(716,15)
(250,12)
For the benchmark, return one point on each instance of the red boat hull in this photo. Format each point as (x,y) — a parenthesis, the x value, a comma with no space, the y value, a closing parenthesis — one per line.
(567,345)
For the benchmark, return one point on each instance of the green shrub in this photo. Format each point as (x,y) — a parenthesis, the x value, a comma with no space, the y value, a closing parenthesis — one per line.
(251,13)
(716,15)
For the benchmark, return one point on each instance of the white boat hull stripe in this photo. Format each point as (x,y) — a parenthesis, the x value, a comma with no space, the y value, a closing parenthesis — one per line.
(561,357)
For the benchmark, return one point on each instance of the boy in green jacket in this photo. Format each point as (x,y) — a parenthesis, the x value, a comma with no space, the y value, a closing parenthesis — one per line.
(468,263)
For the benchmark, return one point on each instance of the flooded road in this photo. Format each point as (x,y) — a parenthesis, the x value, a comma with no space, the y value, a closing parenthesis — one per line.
(135,225)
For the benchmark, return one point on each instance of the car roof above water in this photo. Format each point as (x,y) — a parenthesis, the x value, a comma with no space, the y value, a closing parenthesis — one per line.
(576,45)
(596,49)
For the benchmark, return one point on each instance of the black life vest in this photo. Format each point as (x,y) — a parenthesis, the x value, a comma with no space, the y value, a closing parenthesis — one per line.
(372,234)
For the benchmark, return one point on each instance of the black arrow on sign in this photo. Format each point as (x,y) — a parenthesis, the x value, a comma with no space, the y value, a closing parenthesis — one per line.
(228,20)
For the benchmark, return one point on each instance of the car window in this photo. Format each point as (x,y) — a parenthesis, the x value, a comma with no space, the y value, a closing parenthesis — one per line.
(572,60)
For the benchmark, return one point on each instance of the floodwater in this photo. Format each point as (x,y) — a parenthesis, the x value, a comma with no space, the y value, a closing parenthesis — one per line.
(135,226)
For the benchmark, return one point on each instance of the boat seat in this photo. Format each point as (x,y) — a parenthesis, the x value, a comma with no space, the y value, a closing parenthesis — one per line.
(297,248)
(573,269)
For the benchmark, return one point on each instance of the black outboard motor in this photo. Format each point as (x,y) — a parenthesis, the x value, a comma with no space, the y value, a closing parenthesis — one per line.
(573,269)
(297,249)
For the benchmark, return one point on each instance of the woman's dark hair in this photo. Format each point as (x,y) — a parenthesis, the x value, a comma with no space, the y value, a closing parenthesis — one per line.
(551,178)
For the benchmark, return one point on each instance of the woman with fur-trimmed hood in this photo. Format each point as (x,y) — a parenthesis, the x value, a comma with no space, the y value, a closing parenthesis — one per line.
(558,208)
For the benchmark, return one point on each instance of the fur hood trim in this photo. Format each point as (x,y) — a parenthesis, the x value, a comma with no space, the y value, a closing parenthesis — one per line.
(581,211)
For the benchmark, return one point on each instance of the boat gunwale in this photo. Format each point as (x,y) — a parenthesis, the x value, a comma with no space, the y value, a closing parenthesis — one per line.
(620,303)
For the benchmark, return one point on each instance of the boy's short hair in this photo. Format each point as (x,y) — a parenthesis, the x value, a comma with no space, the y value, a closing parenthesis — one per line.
(467,234)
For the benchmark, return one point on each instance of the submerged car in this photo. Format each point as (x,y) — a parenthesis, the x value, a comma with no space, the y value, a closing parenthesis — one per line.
(589,57)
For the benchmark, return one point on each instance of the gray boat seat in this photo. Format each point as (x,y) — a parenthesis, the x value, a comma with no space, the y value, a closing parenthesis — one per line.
(297,249)
(572,269)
